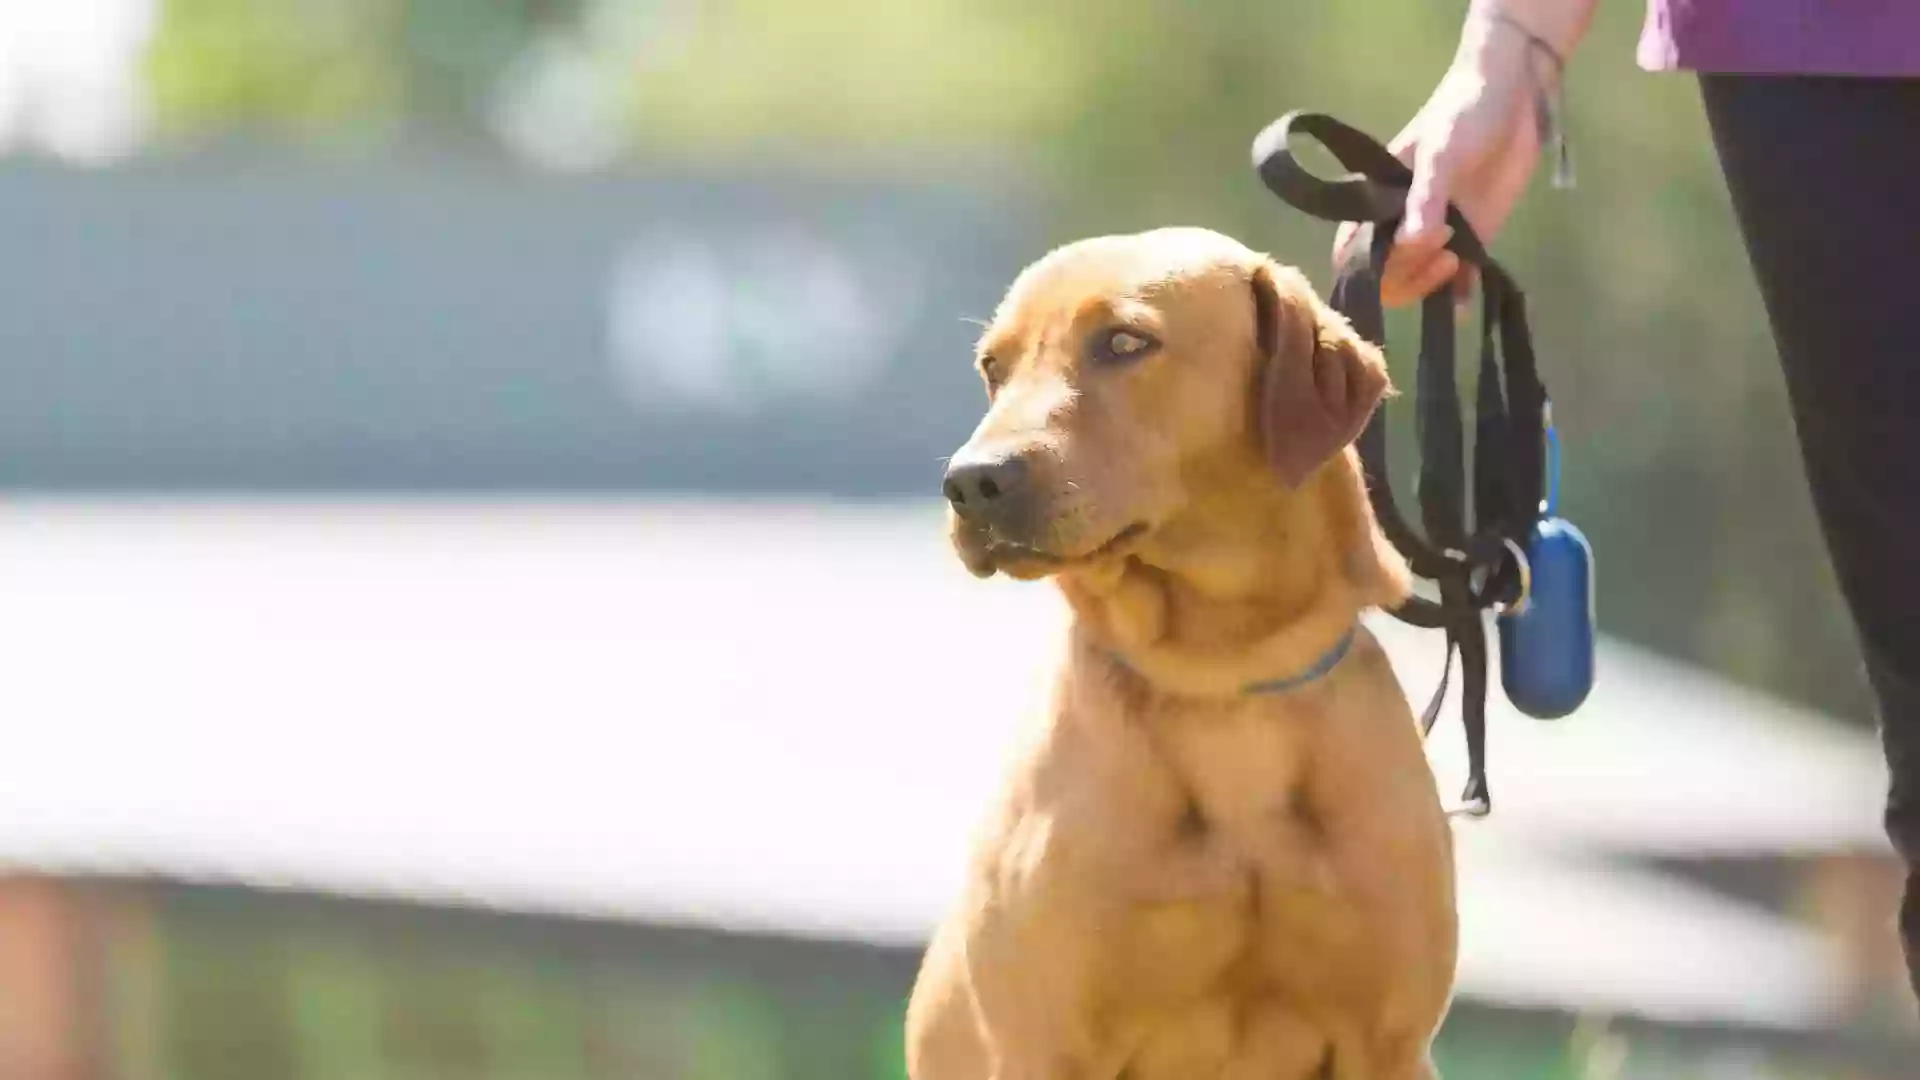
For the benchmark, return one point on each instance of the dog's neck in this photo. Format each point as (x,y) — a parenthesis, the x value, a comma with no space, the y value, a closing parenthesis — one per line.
(1250,583)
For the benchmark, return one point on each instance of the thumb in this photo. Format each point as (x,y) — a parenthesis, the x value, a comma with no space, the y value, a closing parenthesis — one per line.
(1343,238)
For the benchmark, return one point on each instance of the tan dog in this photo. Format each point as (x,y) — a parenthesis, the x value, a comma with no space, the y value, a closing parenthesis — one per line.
(1187,877)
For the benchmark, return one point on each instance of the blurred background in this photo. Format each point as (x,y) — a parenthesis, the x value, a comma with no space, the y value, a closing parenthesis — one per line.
(472,579)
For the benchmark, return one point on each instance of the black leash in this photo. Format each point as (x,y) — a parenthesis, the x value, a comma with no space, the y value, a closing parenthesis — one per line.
(1477,562)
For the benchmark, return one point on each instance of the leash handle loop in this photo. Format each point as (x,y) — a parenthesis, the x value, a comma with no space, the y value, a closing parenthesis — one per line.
(1375,192)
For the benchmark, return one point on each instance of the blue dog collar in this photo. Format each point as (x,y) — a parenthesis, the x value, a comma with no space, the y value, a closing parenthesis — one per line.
(1319,669)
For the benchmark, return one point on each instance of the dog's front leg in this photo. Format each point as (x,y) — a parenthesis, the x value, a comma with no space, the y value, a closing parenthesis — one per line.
(1032,995)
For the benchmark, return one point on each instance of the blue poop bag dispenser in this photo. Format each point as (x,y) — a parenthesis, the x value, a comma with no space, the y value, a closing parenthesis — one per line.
(1547,635)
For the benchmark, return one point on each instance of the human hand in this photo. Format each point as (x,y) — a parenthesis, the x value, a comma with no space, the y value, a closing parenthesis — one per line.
(1476,143)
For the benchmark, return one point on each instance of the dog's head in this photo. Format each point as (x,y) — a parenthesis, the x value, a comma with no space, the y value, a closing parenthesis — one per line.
(1127,375)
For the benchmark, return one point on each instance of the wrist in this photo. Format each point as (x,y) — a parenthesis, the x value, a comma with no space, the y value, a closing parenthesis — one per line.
(1537,36)
(1518,50)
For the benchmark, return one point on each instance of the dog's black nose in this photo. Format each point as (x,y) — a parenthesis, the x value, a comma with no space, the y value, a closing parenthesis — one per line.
(985,489)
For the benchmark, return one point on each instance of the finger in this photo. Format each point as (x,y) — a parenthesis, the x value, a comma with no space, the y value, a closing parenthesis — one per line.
(1408,257)
(1444,270)
(1411,267)
(1402,272)
(1434,274)
(1346,236)
(1463,284)
(1398,286)
(1343,238)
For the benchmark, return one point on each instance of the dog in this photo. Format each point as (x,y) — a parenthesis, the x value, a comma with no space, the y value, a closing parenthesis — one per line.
(1223,853)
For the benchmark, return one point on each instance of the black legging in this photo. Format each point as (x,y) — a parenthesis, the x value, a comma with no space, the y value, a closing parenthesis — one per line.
(1824,174)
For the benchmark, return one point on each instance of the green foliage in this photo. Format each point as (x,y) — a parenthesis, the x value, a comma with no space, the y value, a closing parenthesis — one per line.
(334,71)
(313,69)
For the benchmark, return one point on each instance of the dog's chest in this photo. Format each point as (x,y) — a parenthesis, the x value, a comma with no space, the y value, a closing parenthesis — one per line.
(1245,833)
(1241,766)
(1181,848)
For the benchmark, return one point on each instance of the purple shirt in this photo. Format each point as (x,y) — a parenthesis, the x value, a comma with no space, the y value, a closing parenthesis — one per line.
(1782,37)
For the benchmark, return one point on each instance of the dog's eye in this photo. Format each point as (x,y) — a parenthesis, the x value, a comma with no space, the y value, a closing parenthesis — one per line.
(990,371)
(1116,346)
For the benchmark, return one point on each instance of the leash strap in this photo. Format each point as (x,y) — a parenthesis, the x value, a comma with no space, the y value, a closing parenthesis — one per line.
(1464,548)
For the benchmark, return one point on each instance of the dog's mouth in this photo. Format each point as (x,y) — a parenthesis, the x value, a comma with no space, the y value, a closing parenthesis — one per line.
(1016,557)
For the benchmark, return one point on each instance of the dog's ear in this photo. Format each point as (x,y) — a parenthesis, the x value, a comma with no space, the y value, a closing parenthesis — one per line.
(1319,382)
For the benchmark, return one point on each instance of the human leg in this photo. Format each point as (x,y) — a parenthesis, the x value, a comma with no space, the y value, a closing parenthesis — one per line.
(1824,175)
